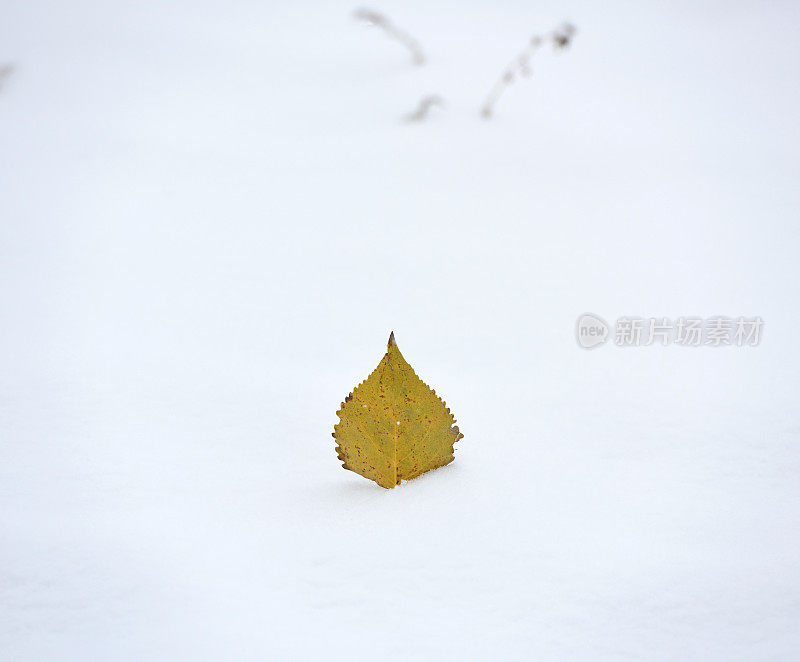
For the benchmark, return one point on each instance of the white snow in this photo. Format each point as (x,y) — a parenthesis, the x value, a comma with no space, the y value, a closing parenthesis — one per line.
(211,217)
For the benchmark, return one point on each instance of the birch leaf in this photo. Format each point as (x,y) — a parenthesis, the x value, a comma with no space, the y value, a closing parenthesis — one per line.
(392,426)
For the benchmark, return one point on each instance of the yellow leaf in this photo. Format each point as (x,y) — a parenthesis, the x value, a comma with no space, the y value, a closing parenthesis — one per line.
(393,427)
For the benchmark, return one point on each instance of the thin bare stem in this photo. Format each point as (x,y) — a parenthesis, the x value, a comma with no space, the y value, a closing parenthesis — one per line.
(378,20)
(423,108)
(520,66)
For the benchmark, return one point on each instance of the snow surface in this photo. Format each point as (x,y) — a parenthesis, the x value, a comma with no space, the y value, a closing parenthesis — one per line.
(211,216)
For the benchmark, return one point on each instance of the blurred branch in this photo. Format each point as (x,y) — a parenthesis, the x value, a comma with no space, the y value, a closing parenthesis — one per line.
(559,39)
(424,107)
(378,20)
(5,71)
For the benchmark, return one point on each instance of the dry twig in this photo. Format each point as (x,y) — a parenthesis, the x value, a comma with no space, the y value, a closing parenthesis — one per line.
(559,38)
(424,107)
(378,20)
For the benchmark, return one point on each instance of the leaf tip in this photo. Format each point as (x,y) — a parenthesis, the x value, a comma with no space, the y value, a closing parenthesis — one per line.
(391,339)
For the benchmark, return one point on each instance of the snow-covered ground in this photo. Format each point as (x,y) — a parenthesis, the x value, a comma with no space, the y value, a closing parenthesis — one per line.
(211,216)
